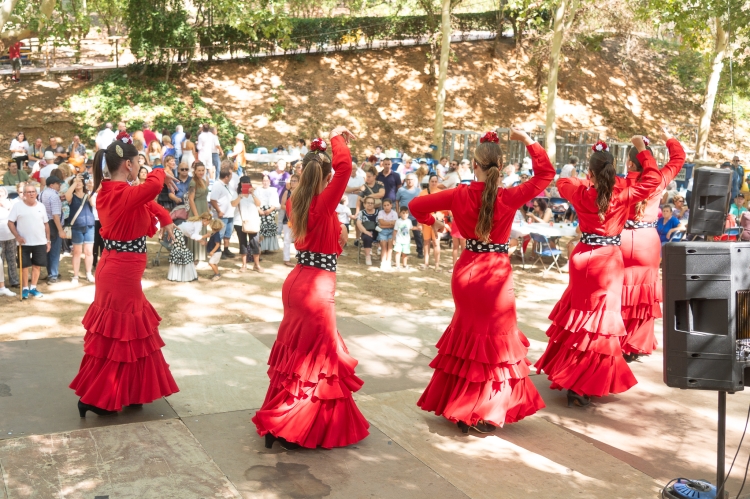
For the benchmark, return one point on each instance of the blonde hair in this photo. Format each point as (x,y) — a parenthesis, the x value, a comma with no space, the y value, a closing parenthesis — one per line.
(216,224)
(316,165)
(203,216)
(489,157)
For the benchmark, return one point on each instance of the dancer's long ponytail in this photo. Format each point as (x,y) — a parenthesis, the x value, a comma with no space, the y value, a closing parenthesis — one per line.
(602,167)
(316,165)
(489,157)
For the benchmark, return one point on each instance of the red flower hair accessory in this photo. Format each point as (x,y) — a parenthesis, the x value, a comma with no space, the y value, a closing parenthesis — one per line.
(318,145)
(600,146)
(646,140)
(124,137)
(489,137)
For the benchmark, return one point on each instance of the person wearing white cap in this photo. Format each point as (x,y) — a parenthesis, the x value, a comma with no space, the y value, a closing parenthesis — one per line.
(49,165)
(238,153)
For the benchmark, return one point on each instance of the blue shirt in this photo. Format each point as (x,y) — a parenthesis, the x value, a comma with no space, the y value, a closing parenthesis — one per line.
(182,187)
(177,139)
(663,227)
(391,182)
(214,240)
(85,217)
(404,197)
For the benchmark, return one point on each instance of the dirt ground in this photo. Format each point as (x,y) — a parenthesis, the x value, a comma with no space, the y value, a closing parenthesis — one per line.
(384,96)
(247,297)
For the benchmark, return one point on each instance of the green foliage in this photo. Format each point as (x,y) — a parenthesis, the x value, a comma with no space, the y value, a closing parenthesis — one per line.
(121,98)
(277,109)
(338,33)
(593,42)
(159,30)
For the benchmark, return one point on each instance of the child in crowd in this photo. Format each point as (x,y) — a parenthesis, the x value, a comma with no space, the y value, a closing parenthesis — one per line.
(386,221)
(213,247)
(667,225)
(402,230)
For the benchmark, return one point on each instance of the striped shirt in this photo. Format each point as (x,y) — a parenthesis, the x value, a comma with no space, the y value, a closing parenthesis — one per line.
(50,198)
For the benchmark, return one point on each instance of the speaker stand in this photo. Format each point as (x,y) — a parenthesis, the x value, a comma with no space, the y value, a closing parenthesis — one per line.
(720,440)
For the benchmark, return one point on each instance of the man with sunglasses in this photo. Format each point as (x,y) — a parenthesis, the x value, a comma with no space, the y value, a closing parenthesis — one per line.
(182,183)
(29,224)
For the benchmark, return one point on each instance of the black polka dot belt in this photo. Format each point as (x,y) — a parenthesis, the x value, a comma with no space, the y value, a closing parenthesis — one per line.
(632,224)
(320,260)
(597,240)
(132,246)
(478,246)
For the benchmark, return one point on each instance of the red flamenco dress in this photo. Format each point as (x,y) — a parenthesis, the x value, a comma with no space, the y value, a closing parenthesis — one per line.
(122,362)
(309,401)
(583,354)
(481,370)
(641,251)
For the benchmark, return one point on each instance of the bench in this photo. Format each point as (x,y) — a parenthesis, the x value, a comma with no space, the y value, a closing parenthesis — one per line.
(25,57)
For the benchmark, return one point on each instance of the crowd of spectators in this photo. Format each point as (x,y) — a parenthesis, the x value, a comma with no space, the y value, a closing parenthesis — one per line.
(213,188)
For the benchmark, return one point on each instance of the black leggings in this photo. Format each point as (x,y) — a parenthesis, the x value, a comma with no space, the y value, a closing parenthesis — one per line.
(19,161)
(98,241)
(248,245)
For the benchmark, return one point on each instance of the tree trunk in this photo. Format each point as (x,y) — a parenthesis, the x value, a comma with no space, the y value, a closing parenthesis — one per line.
(720,48)
(554,66)
(8,38)
(445,50)
(499,37)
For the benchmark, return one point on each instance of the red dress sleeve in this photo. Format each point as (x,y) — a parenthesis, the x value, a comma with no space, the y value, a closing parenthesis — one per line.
(650,179)
(159,212)
(676,160)
(422,207)
(145,192)
(342,168)
(544,172)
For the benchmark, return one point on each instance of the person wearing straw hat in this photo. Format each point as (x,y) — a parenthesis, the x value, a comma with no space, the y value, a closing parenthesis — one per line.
(238,153)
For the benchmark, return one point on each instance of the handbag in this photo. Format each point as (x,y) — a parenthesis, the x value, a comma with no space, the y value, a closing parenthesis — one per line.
(250,221)
(368,224)
(68,229)
(179,212)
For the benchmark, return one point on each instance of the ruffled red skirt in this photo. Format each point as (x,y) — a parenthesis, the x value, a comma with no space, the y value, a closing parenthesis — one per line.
(641,291)
(481,370)
(309,400)
(122,362)
(584,353)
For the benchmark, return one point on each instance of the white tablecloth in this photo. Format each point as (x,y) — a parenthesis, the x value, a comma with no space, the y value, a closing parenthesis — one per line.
(557,230)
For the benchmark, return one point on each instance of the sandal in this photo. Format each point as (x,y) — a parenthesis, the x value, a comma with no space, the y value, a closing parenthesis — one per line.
(257,269)
(289,264)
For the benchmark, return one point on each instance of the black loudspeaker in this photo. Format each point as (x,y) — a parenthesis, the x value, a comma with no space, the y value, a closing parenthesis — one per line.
(709,201)
(706,315)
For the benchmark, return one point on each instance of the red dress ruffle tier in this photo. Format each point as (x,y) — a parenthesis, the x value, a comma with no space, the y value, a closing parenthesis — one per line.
(309,400)
(584,352)
(481,370)
(641,292)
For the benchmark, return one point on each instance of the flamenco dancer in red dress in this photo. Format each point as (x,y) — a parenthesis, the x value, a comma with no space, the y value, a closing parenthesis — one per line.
(309,401)
(481,377)
(584,355)
(122,363)
(641,250)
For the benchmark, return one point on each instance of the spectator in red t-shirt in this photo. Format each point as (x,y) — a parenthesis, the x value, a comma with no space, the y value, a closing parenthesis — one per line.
(14,53)
(149,135)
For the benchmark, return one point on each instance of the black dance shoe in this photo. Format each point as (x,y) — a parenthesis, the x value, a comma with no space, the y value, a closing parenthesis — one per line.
(463,427)
(630,357)
(483,427)
(82,408)
(270,439)
(579,400)
(135,406)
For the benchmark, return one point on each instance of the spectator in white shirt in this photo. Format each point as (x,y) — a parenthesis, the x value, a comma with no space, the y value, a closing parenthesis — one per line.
(28,223)
(221,201)
(205,144)
(105,137)
(49,165)
(19,148)
(569,170)
(216,151)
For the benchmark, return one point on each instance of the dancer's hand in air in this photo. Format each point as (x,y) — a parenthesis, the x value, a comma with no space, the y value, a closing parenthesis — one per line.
(638,142)
(438,226)
(521,136)
(341,130)
(665,135)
